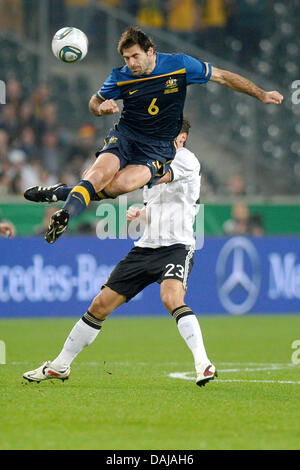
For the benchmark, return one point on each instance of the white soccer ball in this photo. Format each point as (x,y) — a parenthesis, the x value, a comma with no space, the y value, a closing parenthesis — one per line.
(70,44)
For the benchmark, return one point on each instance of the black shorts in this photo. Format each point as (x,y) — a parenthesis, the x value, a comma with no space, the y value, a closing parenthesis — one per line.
(133,150)
(143,266)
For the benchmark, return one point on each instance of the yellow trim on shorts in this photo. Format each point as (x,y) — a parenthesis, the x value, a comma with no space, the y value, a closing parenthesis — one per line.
(100,194)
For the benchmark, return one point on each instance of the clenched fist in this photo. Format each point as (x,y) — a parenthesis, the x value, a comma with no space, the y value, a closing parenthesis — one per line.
(133,213)
(7,229)
(272,97)
(108,107)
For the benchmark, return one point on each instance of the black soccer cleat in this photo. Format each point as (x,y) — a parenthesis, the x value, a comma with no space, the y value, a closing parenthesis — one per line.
(57,226)
(42,193)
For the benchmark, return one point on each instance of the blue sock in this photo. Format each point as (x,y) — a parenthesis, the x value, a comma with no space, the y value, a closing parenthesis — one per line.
(63,192)
(79,198)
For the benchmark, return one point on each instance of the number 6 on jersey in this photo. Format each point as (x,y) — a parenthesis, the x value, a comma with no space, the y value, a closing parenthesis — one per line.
(153,108)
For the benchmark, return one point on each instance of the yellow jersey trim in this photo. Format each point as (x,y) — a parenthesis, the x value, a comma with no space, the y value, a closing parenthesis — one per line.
(177,72)
(100,96)
(84,192)
(207,68)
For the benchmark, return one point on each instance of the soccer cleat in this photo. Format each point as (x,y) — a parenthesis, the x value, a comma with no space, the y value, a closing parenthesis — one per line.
(46,372)
(205,373)
(42,193)
(57,226)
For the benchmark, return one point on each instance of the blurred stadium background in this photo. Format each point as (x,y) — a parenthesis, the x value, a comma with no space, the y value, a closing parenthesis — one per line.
(250,153)
(125,397)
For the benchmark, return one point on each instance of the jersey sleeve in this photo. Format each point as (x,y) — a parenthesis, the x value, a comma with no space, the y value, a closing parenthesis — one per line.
(184,165)
(196,70)
(109,89)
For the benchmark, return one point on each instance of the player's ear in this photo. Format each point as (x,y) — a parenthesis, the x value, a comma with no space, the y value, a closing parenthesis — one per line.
(150,51)
(182,138)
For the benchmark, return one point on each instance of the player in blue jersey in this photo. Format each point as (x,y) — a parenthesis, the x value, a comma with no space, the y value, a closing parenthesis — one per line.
(141,146)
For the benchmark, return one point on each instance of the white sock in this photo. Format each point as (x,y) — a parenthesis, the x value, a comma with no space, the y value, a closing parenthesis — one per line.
(80,336)
(190,331)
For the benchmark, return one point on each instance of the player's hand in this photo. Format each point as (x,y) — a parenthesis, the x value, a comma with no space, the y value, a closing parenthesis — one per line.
(8,229)
(108,107)
(133,213)
(272,97)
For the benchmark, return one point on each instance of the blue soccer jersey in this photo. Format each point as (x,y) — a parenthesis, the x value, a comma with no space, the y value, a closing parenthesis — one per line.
(153,104)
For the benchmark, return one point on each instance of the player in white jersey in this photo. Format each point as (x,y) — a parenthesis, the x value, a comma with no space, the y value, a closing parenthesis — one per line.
(171,209)
(164,254)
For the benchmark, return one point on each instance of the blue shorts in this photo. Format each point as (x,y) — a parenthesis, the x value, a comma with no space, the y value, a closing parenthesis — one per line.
(134,150)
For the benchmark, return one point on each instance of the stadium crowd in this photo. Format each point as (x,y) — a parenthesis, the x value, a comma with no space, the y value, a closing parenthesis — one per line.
(202,22)
(35,149)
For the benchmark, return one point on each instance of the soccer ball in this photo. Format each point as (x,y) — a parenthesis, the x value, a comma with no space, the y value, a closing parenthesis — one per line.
(70,44)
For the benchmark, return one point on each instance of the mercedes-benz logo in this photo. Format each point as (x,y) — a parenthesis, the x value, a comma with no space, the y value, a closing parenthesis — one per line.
(238,270)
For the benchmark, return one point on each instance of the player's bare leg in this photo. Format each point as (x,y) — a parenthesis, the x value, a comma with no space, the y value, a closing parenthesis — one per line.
(129,179)
(102,171)
(172,295)
(105,303)
(83,334)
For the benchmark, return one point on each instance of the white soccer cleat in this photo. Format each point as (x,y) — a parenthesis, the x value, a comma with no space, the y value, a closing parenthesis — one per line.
(46,372)
(205,373)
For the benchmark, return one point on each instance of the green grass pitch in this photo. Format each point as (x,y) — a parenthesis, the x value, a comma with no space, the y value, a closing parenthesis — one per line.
(121,395)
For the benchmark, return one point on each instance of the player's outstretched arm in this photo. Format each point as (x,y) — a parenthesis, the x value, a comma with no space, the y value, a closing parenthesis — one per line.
(101,108)
(243,85)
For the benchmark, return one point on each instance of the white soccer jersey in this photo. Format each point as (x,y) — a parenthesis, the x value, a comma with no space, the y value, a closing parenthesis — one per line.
(172,207)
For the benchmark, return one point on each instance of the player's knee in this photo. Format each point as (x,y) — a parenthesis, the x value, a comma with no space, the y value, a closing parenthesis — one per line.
(100,308)
(166,300)
(94,177)
(84,174)
(99,176)
(172,296)
(169,300)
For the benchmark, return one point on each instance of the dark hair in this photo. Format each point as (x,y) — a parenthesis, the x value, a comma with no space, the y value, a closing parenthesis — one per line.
(186,125)
(134,35)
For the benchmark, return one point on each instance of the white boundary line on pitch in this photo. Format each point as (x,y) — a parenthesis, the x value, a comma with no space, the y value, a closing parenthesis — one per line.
(184,376)
(172,363)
